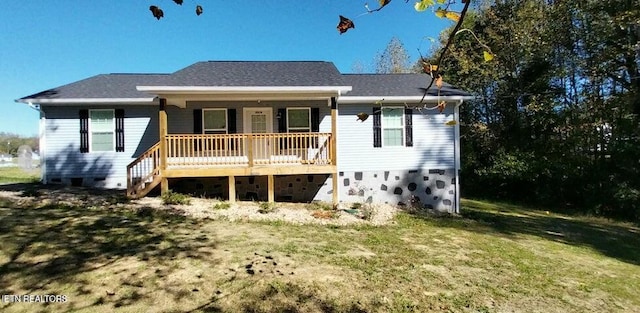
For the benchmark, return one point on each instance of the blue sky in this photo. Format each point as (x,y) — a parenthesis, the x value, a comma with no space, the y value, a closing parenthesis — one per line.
(47,43)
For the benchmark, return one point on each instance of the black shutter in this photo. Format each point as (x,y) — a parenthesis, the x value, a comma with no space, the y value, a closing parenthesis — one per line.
(119,115)
(197,127)
(408,121)
(315,124)
(315,120)
(232,121)
(232,127)
(282,126)
(197,121)
(84,131)
(282,121)
(377,127)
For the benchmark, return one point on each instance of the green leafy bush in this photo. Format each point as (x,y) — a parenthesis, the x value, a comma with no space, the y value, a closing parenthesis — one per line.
(222,206)
(171,197)
(267,207)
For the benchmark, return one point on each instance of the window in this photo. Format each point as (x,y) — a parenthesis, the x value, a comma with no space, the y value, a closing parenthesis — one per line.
(298,120)
(214,121)
(392,126)
(102,130)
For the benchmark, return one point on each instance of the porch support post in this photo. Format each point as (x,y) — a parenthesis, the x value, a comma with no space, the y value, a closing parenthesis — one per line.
(334,150)
(162,120)
(270,189)
(232,189)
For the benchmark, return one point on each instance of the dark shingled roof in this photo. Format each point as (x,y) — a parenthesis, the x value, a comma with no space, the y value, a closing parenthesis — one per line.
(258,73)
(251,74)
(390,85)
(103,86)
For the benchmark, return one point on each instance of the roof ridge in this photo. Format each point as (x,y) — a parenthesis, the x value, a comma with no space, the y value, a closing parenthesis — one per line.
(147,74)
(383,74)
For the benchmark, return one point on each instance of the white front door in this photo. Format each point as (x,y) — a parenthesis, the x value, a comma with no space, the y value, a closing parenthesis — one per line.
(256,121)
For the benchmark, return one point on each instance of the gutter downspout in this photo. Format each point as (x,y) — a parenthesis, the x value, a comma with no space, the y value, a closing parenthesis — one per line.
(456,154)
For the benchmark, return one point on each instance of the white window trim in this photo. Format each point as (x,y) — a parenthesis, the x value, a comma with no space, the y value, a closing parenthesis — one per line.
(290,129)
(113,130)
(226,121)
(403,127)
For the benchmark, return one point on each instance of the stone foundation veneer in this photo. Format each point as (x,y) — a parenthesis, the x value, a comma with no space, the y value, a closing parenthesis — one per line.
(429,188)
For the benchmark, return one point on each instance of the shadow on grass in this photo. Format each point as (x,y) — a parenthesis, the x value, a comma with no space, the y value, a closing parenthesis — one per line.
(292,298)
(60,243)
(613,239)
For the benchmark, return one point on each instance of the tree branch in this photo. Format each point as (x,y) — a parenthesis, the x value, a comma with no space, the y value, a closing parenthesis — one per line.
(436,73)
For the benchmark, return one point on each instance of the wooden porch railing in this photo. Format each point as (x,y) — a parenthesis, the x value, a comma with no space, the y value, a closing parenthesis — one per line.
(144,172)
(248,149)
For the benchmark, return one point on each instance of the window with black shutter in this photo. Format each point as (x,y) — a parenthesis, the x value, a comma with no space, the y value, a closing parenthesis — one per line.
(119,114)
(408,124)
(84,131)
(377,127)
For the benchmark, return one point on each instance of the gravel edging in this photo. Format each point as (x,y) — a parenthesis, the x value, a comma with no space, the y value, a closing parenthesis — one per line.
(200,208)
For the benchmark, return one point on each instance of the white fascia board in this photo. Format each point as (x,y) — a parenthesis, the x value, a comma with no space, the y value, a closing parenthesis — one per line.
(242,89)
(400,99)
(90,101)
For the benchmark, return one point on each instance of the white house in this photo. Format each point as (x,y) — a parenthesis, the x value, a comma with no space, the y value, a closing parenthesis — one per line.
(273,131)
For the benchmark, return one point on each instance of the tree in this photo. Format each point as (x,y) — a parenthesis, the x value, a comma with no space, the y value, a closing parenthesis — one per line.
(394,58)
(556,119)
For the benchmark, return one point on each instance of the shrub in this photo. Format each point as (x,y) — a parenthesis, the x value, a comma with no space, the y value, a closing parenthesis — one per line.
(319,205)
(175,198)
(266,207)
(221,206)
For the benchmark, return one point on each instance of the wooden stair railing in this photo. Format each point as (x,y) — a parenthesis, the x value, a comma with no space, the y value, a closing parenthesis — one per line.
(143,174)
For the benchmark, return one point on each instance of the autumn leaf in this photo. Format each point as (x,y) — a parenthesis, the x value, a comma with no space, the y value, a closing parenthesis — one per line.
(439,82)
(442,1)
(441,13)
(451,122)
(156,11)
(362,116)
(344,24)
(383,3)
(428,67)
(198,10)
(441,106)
(178,2)
(488,56)
(423,5)
(454,16)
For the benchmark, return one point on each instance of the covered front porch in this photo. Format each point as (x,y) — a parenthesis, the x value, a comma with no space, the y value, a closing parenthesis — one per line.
(258,151)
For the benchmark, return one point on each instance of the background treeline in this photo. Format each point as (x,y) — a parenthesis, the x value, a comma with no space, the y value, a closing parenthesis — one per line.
(9,143)
(557,118)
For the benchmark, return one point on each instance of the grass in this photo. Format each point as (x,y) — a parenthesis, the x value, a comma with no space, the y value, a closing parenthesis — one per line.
(11,175)
(495,258)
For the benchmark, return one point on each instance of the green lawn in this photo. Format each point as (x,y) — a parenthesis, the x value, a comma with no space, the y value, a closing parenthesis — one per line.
(16,174)
(496,258)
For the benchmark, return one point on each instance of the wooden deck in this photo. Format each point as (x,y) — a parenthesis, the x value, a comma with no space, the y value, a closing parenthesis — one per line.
(188,155)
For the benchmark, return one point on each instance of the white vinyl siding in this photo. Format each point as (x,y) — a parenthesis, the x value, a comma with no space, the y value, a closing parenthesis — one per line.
(102,130)
(214,121)
(392,126)
(433,142)
(298,120)
(64,160)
